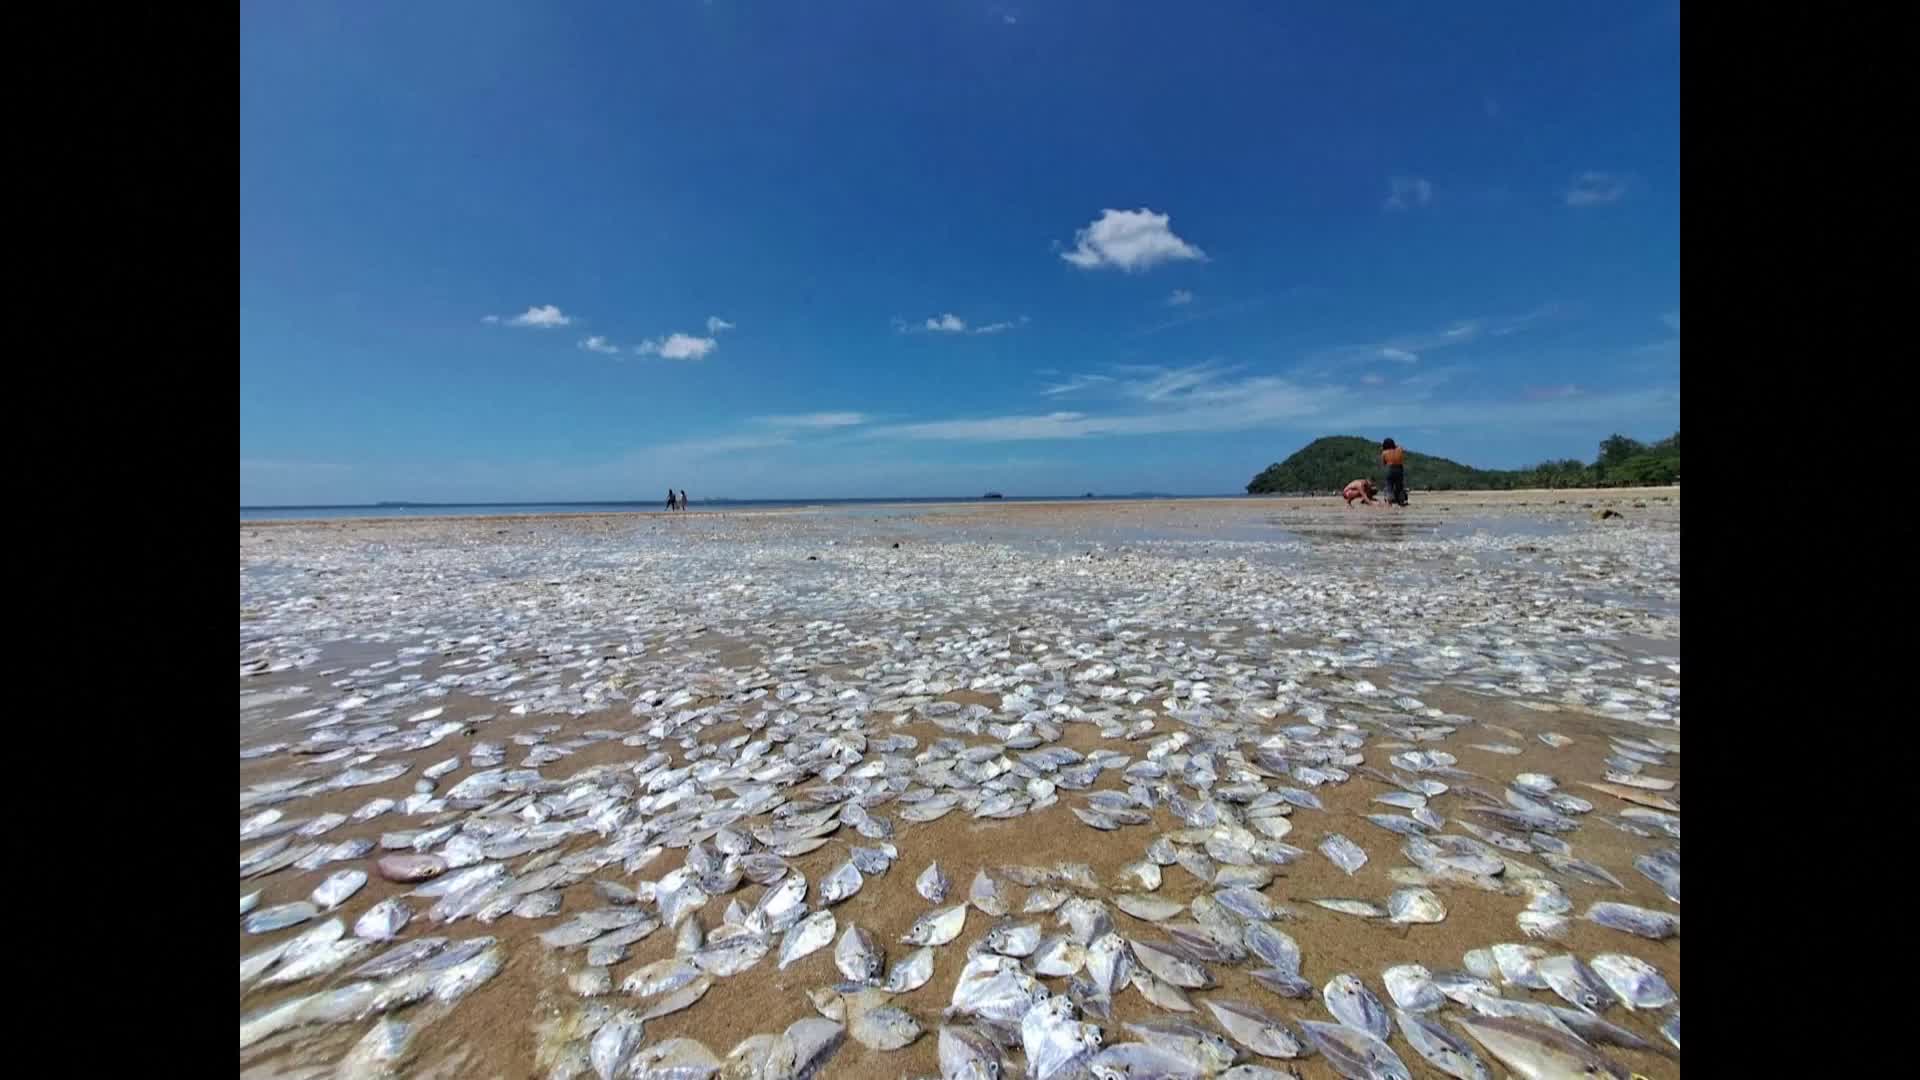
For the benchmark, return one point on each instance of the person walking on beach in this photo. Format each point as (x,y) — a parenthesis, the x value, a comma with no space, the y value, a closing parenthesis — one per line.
(1395,459)
(1362,490)
(670,500)
(683,498)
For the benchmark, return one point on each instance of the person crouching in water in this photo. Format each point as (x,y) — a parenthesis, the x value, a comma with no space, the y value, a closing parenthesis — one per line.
(1395,459)
(1361,490)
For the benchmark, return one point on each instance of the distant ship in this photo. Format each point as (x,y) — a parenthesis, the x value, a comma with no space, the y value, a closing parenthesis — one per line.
(993,495)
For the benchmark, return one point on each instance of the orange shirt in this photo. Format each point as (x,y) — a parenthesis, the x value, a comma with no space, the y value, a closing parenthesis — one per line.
(1395,456)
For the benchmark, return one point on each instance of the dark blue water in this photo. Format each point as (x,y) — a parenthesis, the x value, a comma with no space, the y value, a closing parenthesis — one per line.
(282,513)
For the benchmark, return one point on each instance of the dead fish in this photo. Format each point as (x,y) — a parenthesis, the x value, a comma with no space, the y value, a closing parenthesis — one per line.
(1415,905)
(1053,1040)
(280,917)
(1544,926)
(1671,1029)
(803,1049)
(1411,988)
(877,1025)
(1344,853)
(1462,987)
(1636,983)
(1171,964)
(1599,1032)
(383,921)
(674,1059)
(338,888)
(1354,1053)
(660,977)
(858,955)
(984,894)
(1351,1003)
(1632,795)
(843,882)
(937,927)
(1441,1048)
(1158,991)
(1059,956)
(1405,800)
(679,999)
(932,883)
(1635,780)
(1581,869)
(966,1054)
(1656,925)
(1518,965)
(911,972)
(1141,874)
(807,936)
(1395,823)
(1275,947)
(1537,1052)
(1575,982)
(1149,908)
(1128,1060)
(1287,984)
(1253,1028)
(1246,903)
(1663,874)
(615,1044)
(1365,909)
(1013,939)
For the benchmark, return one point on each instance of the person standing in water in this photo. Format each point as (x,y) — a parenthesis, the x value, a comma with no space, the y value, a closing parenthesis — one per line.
(1395,459)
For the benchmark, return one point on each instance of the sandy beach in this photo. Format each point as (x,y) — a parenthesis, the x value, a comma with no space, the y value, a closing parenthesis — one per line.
(685,681)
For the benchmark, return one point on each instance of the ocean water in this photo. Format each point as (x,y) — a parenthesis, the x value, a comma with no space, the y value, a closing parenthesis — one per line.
(293,513)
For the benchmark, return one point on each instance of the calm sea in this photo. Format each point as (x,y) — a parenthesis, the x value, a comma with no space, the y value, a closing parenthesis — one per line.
(282,513)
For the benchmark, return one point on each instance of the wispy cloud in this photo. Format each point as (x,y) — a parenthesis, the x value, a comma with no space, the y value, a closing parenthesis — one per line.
(1409,348)
(1407,192)
(949,323)
(715,324)
(1399,355)
(539,317)
(1672,319)
(819,421)
(1550,393)
(1373,378)
(1130,241)
(678,347)
(1179,298)
(1596,189)
(1075,383)
(1001,327)
(598,344)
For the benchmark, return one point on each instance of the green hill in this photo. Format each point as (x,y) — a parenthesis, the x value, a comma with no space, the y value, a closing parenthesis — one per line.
(1327,464)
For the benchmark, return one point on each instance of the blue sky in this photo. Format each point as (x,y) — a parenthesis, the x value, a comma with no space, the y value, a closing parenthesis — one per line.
(531,251)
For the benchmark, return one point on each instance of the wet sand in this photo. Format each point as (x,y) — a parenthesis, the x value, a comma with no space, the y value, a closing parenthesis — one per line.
(499,1030)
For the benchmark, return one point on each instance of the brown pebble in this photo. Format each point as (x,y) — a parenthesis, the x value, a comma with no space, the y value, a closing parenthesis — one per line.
(411,867)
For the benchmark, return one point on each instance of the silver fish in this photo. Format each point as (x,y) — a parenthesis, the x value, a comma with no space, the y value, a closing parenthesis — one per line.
(1058,956)
(1148,908)
(1415,905)
(1575,982)
(732,955)
(679,999)
(937,927)
(1441,1048)
(1636,983)
(984,894)
(1537,1052)
(1159,991)
(843,882)
(317,961)
(383,921)
(1656,925)
(1351,1003)
(1663,874)
(965,1054)
(249,901)
(1171,964)
(858,955)
(1365,909)
(1543,926)
(1671,1029)
(615,1044)
(994,988)
(877,1025)
(1354,1053)
(674,1059)
(911,972)
(1344,853)
(1013,939)
(808,936)
(338,888)
(660,977)
(267,920)
(1143,1061)
(1412,989)
(1517,965)
(1053,1040)
(932,883)
(1255,1029)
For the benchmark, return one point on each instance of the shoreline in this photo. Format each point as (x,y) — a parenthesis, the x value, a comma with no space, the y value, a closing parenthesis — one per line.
(1517,496)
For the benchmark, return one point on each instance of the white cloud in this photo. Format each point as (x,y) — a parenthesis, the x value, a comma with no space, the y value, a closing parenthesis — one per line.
(1596,189)
(1076,383)
(1373,379)
(716,324)
(1001,327)
(1129,240)
(1178,297)
(598,344)
(1407,192)
(947,324)
(491,320)
(542,317)
(678,347)
(820,421)
(1400,355)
